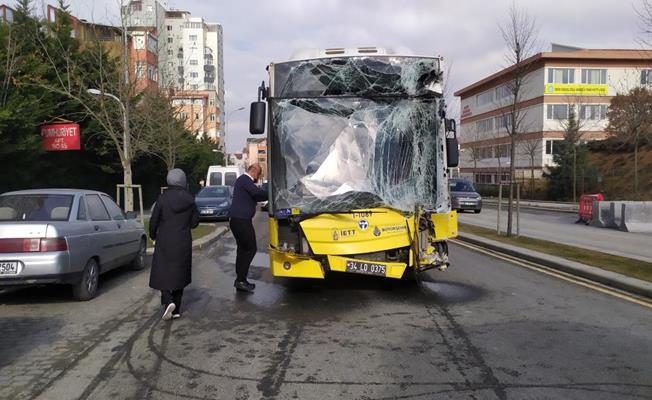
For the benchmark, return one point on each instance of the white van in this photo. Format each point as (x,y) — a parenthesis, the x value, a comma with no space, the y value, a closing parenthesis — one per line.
(223,176)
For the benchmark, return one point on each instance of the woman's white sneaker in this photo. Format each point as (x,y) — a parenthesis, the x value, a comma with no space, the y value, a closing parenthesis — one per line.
(167,315)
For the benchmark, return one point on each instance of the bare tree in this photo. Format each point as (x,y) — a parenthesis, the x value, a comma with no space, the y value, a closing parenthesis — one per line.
(530,149)
(630,120)
(644,12)
(104,88)
(519,34)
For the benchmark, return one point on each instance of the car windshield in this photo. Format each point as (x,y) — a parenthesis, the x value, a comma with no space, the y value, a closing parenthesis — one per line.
(35,207)
(352,133)
(214,192)
(461,186)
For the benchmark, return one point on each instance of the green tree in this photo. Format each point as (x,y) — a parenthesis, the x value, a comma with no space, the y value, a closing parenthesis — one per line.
(569,156)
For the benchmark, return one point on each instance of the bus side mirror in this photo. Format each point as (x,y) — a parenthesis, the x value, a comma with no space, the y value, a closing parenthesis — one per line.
(452,153)
(257,118)
(452,145)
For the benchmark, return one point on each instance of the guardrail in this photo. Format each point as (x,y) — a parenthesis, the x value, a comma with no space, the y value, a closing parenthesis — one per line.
(539,205)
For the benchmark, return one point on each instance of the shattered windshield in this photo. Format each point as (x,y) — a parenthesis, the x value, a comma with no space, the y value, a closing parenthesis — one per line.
(360,132)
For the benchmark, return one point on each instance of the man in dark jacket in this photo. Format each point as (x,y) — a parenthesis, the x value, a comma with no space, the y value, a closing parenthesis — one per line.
(243,207)
(173,217)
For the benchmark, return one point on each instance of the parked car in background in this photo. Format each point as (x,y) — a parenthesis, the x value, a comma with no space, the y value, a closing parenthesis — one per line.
(213,202)
(66,236)
(464,196)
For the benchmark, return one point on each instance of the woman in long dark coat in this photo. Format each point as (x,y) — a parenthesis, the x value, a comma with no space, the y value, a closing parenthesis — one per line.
(173,217)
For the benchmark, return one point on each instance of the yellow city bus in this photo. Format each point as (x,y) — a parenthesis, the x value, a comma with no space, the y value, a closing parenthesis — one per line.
(359,151)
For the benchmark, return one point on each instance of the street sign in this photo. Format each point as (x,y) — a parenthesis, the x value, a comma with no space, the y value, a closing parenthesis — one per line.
(60,137)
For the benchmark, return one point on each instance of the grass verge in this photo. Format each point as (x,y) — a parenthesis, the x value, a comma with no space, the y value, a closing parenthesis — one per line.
(622,265)
(200,231)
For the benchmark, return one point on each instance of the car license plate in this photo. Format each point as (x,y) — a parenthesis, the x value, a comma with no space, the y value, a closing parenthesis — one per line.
(8,268)
(206,212)
(366,268)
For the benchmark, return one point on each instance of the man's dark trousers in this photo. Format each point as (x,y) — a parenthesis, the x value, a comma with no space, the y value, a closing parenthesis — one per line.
(245,237)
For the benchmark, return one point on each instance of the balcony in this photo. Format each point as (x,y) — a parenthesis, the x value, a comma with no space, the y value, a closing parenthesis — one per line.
(209,68)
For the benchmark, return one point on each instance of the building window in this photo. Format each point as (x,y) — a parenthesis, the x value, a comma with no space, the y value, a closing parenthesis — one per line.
(213,117)
(193,38)
(183,116)
(502,150)
(485,98)
(169,27)
(194,75)
(594,112)
(561,75)
(170,40)
(594,76)
(646,77)
(503,92)
(557,111)
(196,116)
(152,73)
(140,69)
(209,61)
(211,100)
(136,6)
(194,87)
(503,121)
(551,148)
(139,42)
(485,153)
(194,62)
(485,125)
(170,52)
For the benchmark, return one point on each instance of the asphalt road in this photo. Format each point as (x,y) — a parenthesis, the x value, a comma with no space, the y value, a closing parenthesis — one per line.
(485,329)
(561,227)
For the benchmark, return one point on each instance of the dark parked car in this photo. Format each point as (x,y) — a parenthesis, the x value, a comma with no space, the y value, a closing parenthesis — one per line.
(213,202)
(463,196)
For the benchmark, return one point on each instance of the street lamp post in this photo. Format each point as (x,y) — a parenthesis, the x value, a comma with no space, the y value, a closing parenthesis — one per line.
(125,144)
(226,123)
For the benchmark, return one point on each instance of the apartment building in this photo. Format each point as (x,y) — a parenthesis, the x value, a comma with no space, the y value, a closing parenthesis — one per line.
(256,151)
(192,62)
(564,79)
(6,14)
(142,46)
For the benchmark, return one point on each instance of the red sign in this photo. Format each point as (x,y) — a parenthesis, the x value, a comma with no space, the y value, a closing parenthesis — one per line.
(466,111)
(60,137)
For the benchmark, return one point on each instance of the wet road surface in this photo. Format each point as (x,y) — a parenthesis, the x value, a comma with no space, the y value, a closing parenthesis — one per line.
(485,329)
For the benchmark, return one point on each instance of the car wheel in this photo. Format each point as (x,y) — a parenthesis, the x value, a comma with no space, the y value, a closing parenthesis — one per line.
(477,211)
(86,288)
(139,262)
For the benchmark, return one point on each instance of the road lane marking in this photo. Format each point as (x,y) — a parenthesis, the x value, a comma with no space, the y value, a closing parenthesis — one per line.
(587,283)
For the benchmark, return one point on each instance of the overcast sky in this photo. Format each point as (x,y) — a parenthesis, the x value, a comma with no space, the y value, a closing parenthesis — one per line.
(465,32)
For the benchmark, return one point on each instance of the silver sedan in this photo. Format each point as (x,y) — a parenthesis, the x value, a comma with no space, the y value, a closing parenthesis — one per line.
(66,236)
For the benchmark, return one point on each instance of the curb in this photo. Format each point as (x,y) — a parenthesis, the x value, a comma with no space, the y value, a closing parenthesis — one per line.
(204,241)
(613,279)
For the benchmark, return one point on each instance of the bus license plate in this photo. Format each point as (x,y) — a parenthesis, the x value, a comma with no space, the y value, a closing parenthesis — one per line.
(365,268)
(8,268)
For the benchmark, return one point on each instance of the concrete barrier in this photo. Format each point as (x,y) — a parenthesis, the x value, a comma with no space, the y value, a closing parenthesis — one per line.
(636,217)
(602,215)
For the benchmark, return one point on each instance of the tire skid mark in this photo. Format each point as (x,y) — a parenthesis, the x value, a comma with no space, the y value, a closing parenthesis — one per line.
(154,375)
(98,336)
(274,376)
(108,370)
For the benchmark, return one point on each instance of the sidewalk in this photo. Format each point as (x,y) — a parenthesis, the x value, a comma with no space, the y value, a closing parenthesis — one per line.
(561,228)
(204,241)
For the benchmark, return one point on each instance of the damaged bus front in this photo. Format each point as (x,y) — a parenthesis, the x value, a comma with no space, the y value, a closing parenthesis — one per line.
(359,150)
